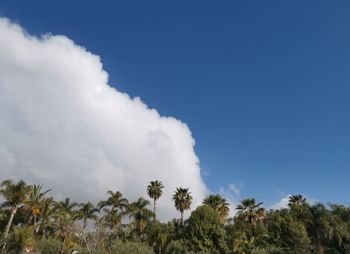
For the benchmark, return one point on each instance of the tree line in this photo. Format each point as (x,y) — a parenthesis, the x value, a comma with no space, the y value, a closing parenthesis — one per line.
(32,220)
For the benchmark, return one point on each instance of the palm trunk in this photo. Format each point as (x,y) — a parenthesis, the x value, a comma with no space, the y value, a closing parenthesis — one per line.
(182,218)
(8,226)
(36,225)
(62,245)
(154,211)
(319,248)
(84,223)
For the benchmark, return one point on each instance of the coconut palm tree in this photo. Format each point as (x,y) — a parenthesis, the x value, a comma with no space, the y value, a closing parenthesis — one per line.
(183,200)
(115,201)
(87,212)
(250,211)
(155,190)
(141,215)
(219,204)
(64,225)
(47,214)
(66,206)
(34,203)
(14,195)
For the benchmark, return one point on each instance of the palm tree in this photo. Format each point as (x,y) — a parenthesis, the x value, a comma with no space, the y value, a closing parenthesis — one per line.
(219,204)
(87,212)
(299,208)
(296,201)
(141,215)
(115,201)
(250,211)
(65,215)
(66,206)
(34,202)
(14,196)
(155,190)
(47,213)
(183,201)
(111,220)
(64,225)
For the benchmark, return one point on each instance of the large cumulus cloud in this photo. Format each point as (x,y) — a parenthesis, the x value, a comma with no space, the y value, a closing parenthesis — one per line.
(63,126)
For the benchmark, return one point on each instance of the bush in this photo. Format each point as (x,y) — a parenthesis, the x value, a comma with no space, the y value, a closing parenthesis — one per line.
(49,246)
(205,232)
(131,248)
(20,238)
(176,247)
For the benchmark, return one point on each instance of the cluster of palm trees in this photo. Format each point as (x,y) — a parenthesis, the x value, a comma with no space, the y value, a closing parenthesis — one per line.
(48,216)
(300,228)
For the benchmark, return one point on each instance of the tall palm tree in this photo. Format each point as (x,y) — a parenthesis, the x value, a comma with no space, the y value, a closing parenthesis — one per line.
(14,195)
(141,215)
(155,190)
(87,212)
(115,201)
(34,204)
(219,204)
(183,200)
(250,211)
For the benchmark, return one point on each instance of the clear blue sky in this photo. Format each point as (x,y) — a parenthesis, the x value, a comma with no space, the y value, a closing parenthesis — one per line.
(263,85)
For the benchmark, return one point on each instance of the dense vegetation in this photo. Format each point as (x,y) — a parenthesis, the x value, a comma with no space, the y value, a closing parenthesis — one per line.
(32,220)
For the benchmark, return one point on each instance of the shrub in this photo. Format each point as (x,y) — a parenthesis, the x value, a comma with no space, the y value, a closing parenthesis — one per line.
(49,246)
(131,248)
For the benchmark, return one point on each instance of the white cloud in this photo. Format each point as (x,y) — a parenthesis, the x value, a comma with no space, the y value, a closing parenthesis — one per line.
(283,203)
(232,194)
(62,125)
(236,190)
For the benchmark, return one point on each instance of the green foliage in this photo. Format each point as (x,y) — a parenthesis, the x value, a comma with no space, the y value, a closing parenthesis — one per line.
(288,234)
(131,248)
(176,247)
(205,231)
(19,239)
(159,234)
(30,219)
(219,204)
(49,246)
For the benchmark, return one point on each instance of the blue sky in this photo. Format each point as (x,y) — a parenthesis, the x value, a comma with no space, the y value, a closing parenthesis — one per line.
(263,85)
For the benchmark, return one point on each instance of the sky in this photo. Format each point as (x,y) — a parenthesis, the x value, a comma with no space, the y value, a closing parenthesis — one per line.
(261,87)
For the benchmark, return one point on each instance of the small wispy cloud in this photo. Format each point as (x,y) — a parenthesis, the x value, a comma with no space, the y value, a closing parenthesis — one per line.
(283,203)
(232,192)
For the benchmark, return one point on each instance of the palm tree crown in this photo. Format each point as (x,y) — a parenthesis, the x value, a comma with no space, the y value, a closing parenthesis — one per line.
(183,200)
(115,201)
(250,211)
(296,201)
(34,204)
(87,212)
(219,204)
(141,214)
